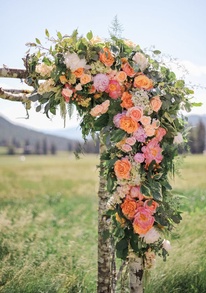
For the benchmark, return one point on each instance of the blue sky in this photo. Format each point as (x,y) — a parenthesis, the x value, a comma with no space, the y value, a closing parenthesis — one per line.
(176,28)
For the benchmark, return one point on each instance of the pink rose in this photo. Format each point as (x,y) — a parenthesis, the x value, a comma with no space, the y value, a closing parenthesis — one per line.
(101,82)
(126,147)
(135,192)
(131,140)
(139,158)
(156,103)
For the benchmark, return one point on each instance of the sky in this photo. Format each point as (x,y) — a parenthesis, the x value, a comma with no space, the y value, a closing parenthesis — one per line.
(175,27)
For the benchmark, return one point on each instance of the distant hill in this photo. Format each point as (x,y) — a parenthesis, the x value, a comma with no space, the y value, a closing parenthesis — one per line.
(10,132)
(194,119)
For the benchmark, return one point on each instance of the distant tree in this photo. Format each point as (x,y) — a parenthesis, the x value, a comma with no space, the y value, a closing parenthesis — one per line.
(53,149)
(27,148)
(37,148)
(11,150)
(197,138)
(45,147)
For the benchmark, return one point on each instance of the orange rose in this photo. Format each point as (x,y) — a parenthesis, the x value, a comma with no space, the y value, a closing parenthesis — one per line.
(143,82)
(78,72)
(129,207)
(85,78)
(156,103)
(127,68)
(106,57)
(121,76)
(122,168)
(128,124)
(126,100)
(135,113)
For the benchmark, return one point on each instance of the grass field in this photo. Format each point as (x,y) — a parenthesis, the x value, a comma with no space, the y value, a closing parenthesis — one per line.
(48,227)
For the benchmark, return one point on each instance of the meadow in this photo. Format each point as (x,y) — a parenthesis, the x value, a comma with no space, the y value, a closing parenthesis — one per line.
(48,227)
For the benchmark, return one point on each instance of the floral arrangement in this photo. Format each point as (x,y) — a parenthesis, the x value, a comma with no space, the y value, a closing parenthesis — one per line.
(135,102)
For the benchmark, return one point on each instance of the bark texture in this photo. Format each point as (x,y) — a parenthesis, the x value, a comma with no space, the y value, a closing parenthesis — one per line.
(136,274)
(15,95)
(13,73)
(104,245)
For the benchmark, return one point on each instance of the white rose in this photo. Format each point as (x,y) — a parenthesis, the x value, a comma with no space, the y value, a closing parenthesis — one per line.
(151,236)
(73,61)
(166,244)
(140,60)
(178,138)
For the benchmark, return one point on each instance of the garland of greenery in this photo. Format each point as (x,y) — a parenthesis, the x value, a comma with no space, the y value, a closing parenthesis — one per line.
(135,102)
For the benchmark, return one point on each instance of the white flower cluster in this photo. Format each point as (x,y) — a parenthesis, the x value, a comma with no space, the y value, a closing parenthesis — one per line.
(140,98)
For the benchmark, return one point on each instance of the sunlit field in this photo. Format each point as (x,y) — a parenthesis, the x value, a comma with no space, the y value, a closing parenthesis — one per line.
(48,227)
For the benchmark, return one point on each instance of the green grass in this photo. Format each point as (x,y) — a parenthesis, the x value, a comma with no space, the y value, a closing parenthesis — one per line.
(48,218)
(185,269)
(48,227)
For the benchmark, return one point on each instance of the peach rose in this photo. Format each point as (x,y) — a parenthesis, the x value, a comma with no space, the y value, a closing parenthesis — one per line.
(135,113)
(126,100)
(85,78)
(127,68)
(121,76)
(100,109)
(149,130)
(129,207)
(67,93)
(145,120)
(156,103)
(122,168)
(106,57)
(143,82)
(128,124)
(143,221)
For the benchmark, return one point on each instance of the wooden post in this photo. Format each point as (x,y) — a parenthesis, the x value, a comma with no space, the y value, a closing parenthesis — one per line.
(136,274)
(104,245)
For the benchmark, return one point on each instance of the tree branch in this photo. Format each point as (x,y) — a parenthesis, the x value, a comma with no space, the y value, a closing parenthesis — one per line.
(13,73)
(15,95)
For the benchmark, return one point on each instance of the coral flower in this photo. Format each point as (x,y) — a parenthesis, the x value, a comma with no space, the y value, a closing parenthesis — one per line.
(152,151)
(143,221)
(114,89)
(122,168)
(127,68)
